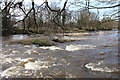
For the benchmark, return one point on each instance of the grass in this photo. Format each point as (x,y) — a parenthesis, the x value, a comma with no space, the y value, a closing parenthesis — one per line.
(75,30)
(40,42)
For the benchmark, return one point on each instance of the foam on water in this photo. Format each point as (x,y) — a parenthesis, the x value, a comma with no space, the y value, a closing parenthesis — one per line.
(100,67)
(26,60)
(17,72)
(7,60)
(14,51)
(78,47)
(37,65)
(11,71)
(24,66)
(101,32)
(11,60)
(27,46)
(77,38)
(31,51)
(53,48)
(10,51)
(0,49)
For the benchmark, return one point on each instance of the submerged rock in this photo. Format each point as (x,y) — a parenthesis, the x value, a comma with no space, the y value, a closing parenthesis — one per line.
(102,53)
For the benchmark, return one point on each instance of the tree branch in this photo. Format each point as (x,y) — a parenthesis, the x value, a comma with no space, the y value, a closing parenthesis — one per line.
(93,7)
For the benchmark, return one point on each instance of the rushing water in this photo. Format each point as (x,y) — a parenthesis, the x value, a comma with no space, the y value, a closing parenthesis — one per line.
(92,56)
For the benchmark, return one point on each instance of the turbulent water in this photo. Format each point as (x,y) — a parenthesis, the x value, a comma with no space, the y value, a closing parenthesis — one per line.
(91,56)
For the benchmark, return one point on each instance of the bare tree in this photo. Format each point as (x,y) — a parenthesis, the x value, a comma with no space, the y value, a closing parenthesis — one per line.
(59,12)
(44,14)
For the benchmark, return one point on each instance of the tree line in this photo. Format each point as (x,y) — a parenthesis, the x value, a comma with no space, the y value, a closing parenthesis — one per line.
(52,18)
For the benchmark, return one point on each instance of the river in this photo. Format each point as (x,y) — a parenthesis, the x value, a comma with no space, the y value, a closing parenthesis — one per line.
(91,56)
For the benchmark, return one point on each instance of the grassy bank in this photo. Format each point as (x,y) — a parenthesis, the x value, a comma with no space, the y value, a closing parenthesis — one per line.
(48,31)
(39,41)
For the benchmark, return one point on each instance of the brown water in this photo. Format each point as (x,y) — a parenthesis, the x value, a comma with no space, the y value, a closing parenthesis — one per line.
(93,56)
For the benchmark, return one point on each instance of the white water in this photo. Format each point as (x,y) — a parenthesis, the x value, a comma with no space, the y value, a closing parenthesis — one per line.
(100,67)
(53,48)
(12,71)
(27,46)
(24,65)
(78,47)
(68,47)
(37,65)
(78,38)
(11,60)
(31,51)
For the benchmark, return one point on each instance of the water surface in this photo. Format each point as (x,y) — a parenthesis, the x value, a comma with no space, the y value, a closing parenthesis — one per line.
(92,56)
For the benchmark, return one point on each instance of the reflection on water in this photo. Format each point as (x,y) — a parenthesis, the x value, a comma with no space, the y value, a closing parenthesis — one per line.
(90,57)
(15,37)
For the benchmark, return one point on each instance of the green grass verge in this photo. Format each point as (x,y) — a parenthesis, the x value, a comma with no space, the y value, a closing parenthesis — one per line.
(40,42)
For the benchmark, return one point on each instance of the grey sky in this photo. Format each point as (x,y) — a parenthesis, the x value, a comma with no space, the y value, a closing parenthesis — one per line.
(92,2)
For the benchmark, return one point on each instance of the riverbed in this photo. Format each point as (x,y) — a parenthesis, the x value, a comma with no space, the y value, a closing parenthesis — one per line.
(90,56)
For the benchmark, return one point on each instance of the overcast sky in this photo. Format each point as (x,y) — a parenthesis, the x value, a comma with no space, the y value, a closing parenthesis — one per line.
(92,2)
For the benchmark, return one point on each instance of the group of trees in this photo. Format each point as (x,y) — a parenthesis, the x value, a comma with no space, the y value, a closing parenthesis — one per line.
(90,21)
(52,17)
